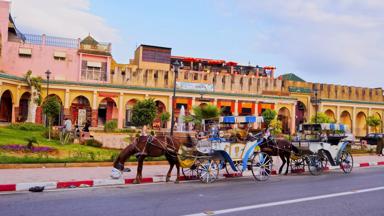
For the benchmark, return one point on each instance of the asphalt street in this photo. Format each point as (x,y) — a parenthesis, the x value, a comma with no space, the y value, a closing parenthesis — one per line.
(333,193)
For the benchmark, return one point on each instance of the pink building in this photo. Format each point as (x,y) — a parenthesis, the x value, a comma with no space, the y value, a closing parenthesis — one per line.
(68,59)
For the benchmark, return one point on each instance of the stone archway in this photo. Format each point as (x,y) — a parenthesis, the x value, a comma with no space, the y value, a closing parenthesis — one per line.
(6,106)
(161,108)
(285,118)
(330,115)
(301,113)
(379,129)
(361,124)
(23,107)
(107,111)
(128,111)
(346,119)
(81,110)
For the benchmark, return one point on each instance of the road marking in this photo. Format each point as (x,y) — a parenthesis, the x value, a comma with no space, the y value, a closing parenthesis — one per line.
(250,207)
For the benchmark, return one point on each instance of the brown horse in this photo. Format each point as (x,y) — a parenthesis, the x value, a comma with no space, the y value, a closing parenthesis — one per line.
(150,146)
(279,147)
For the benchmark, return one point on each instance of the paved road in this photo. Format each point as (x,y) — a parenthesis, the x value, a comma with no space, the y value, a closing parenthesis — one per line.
(330,194)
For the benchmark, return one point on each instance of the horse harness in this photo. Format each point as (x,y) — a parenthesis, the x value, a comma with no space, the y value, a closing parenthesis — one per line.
(162,145)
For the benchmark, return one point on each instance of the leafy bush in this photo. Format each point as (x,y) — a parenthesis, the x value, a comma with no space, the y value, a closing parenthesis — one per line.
(144,112)
(93,143)
(26,126)
(268,116)
(110,126)
(321,118)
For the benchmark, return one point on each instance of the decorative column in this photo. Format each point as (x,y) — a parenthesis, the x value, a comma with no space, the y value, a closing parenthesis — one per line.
(67,111)
(338,114)
(256,113)
(369,114)
(293,118)
(120,118)
(193,104)
(236,108)
(353,129)
(94,110)
(170,110)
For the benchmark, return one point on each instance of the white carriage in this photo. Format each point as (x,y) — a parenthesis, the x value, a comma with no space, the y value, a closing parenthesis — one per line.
(219,150)
(321,144)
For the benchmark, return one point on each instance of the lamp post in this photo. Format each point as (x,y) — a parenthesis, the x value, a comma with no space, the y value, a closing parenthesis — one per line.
(176,66)
(47,73)
(316,92)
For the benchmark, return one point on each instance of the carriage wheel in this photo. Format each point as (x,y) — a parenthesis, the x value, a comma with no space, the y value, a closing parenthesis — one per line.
(190,173)
(208,171)
(346,162)
(261,165)
(297,165)
(315,165)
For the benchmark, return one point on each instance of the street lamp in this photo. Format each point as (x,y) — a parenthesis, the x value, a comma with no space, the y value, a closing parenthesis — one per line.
(176,67)
(48,73)
(316,92)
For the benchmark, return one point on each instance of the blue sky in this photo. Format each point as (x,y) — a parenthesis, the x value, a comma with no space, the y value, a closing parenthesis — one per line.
(320,40)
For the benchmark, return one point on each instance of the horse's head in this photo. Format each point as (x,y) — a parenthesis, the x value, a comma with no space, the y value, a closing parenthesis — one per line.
(126,153)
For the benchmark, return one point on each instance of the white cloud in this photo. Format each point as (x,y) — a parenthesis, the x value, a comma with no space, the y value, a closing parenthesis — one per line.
(65,18)
(326,40)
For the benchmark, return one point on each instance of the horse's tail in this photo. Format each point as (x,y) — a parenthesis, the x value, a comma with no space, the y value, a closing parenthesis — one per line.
(294,149)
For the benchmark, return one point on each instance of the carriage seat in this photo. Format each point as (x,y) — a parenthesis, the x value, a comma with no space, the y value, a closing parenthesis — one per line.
(335,139)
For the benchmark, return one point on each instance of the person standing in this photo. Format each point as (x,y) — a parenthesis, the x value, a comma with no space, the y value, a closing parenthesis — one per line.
(380,146)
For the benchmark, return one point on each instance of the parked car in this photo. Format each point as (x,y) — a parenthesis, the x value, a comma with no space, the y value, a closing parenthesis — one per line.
(372,138)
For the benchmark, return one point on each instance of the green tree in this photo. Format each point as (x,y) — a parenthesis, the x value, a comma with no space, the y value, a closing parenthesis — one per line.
(277,127)
(208,111)
(268,116)
(144,112)
(164,118)
(321,118)
(373,122)
(51,108)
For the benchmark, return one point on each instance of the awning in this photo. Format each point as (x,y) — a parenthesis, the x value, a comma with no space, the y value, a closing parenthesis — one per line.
(231,63)
(228,119)
(332,126)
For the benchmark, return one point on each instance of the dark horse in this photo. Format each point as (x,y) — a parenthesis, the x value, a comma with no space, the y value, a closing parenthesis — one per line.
(152,146)
(279,147)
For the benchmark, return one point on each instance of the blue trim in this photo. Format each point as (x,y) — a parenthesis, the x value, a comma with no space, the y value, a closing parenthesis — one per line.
(249,153)
(227,158)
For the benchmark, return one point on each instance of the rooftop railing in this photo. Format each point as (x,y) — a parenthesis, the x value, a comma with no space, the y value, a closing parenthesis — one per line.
(51,41)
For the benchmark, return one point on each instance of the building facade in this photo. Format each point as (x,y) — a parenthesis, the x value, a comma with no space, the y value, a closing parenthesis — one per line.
(90,85)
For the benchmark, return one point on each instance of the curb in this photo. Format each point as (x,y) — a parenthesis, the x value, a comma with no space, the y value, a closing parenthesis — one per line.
(109,182)
(65,165)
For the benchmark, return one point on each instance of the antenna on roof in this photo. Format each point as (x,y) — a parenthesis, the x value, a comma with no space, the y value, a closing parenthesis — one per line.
(249,63)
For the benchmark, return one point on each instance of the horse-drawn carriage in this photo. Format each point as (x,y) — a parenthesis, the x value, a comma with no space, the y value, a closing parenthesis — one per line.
(320,144)
(233,150)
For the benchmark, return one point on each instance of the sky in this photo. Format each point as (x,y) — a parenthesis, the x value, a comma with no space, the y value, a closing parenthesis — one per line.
(327,41)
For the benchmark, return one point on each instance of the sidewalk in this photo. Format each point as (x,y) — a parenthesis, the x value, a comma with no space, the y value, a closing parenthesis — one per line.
(14,176)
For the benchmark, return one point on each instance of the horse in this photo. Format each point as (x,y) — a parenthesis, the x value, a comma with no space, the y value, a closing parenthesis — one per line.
(279,147)
(152,146)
